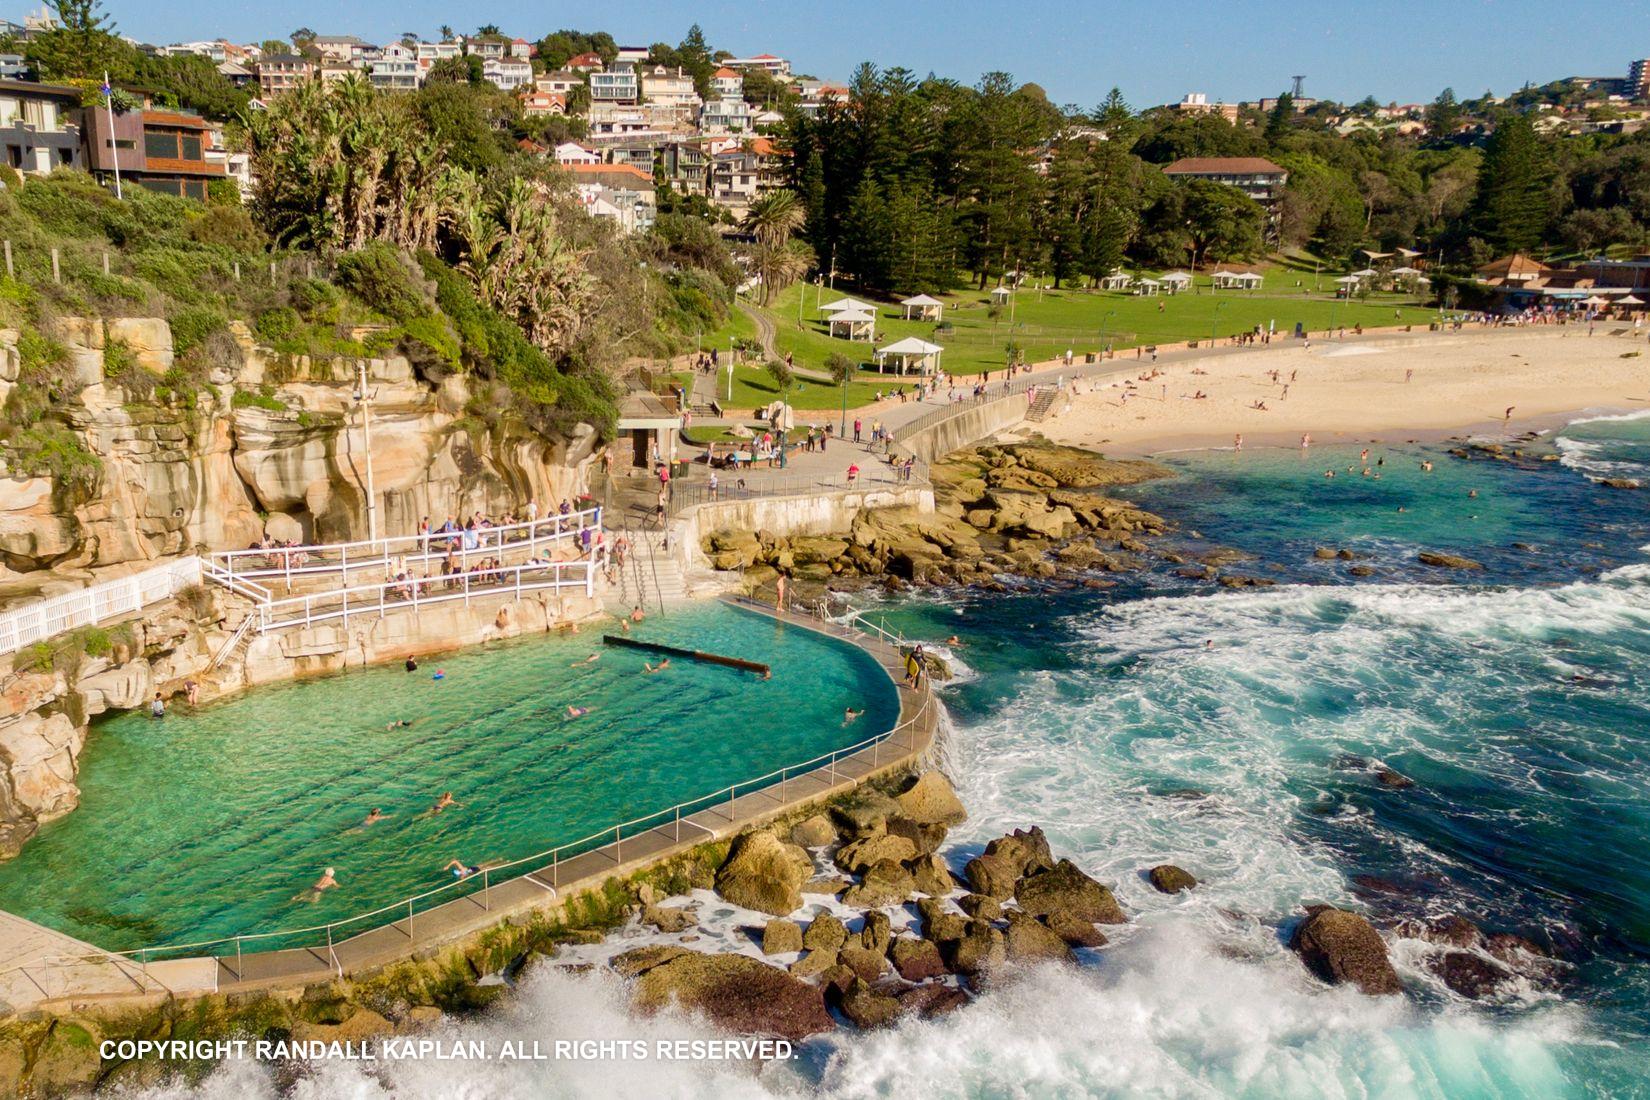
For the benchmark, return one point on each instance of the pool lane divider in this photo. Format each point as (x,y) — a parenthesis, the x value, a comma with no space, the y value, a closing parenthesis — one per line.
(686,654)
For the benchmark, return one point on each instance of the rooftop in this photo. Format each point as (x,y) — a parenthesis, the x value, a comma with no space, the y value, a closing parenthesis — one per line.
(1219,166)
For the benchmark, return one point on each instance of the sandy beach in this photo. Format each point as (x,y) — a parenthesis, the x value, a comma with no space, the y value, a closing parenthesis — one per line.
(1349,392)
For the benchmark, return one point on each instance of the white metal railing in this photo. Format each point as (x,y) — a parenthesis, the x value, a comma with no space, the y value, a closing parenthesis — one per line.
(287,562)
(35,622)
(416,592)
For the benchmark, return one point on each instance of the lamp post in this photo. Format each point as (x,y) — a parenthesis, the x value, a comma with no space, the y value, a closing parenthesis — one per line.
(1214,319)
(363,397)
(1103,322)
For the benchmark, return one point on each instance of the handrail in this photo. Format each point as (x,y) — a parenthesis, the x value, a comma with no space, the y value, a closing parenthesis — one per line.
(96,603)
(555,520)
(554,854)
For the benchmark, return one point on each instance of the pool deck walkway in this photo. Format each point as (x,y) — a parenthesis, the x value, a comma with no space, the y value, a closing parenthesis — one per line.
(43,970)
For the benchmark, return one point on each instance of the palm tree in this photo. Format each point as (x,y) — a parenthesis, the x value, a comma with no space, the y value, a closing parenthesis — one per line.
(774,217)
(780,265)
(446,33)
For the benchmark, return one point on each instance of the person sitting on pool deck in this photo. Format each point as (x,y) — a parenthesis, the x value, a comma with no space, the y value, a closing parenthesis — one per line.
(660,667)
(849,714)
(324,883)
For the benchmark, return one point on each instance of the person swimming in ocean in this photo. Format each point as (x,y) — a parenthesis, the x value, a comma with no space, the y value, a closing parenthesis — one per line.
(322,885)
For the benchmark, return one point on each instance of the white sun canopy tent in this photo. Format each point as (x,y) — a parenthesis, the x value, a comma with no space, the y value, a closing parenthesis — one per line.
(854,324)
(921,307)
(910,352)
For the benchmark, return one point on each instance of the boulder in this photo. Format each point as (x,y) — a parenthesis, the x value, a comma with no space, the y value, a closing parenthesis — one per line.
(67,1060)
(1342,947)
(931,801)
(148,338)
(980,949)
(939,924)
(931,1000)
(640,960)
(980,907)
(1066,889)
(829,884)
(877,933)
(860,854)
(931,876)
(993,876)
(1029,940)
(1026,850)
(866,1007)
(866,815)
(825,933)
(668,919)
(763,873)
(869,965)
(926,838)
(816,832)
(781,936)
(1440,560)
(736,992)
(1166,878)
(1078,933)
(1392,780)
(126,687)
(814,963)
(916,960)
(1469,974)
(884,883)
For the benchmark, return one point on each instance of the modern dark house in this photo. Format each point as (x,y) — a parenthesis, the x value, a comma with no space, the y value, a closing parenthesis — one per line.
(160,150)
(39,125)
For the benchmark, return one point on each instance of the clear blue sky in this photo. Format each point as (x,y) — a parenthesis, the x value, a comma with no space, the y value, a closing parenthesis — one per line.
(1241,49)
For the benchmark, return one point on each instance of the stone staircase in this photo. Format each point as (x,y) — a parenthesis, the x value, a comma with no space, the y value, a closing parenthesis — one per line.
(1041,405)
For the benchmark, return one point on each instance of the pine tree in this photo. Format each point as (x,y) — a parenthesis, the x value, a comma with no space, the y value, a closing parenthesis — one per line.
(1281,118)
(1514,199)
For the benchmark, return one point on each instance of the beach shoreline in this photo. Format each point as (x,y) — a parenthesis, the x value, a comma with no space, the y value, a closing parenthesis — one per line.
(1344,394)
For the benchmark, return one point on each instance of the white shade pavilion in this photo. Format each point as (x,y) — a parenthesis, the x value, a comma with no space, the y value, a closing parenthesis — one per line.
(921,307)
(910,352)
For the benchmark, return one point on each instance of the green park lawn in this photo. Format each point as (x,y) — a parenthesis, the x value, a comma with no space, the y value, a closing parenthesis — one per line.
(1043,324)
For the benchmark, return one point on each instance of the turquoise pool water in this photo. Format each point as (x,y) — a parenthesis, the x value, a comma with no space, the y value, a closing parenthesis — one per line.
(206,824)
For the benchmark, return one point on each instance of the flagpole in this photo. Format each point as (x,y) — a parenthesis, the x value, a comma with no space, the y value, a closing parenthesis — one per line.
(114,146)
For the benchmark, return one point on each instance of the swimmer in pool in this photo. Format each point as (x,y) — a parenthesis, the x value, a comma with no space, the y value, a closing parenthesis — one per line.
(590,660)
(660,667)
(577,712)
(374,817)
(322,885)
(849,714)
(462,870)
(443,802)
(400,723)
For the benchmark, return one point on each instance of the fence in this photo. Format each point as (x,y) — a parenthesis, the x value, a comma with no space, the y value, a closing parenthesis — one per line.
(416,592)
(94,604)
(729,485)
(287,562)
(543,868)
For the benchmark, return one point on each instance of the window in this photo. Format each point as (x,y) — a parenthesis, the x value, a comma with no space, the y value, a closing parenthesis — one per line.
(191,146)
(160,144)
(9,109)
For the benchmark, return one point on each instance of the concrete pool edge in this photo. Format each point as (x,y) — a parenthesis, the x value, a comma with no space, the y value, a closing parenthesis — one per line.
(93,976)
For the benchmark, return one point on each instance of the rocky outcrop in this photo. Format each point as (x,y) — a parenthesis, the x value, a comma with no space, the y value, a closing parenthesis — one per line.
(1440,560)
(735,992)
(1166,878)
(1065,890)
(1342,947)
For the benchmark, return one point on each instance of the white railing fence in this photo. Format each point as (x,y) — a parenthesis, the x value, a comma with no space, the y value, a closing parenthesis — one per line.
(95,604)
(287,562)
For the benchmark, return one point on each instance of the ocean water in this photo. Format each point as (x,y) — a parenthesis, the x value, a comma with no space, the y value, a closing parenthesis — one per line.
(209,823)
(1236,733)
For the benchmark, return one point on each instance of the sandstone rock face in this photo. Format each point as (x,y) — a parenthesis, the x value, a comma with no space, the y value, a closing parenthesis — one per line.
(931,801)
(38,757)
(1342,947)
(122,688)
(1067,890)
(860,854)
(764,874)
(884,882)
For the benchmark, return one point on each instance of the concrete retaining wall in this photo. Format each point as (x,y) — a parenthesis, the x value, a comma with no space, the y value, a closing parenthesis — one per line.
(966,428)
(825,513)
